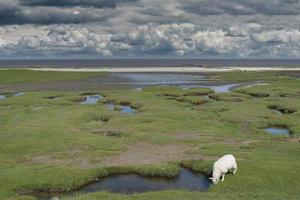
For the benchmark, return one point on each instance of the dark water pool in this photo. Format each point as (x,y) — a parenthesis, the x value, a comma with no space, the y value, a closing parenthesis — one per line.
(216,88)
(278,112)
(139,89)
(278,131)
(19,94)
(223,88)
(13,95)
(133,183)
(93,99)
(2,97)
(123,109)
(147,79)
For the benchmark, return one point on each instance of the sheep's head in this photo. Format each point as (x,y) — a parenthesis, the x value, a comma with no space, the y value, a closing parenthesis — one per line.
(214,180)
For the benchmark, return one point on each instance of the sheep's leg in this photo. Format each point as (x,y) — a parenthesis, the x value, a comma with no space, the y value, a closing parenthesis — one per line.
(223,176)
(234,171)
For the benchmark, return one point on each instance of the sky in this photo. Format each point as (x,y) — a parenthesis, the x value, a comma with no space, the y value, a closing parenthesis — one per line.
(149,28)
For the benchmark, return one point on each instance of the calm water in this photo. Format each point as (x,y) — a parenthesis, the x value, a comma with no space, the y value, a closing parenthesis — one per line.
(277,112)
(278,131)
(222,88)
(148,62)
(15,95)
(124,109)
(132,183)
(141,80)
(160,78)
(19,94)
(91,99)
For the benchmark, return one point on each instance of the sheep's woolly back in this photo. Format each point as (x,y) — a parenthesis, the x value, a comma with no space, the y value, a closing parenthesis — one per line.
(223,165)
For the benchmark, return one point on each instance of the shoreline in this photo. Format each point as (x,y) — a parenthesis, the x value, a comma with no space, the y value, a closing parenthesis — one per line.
(161,69)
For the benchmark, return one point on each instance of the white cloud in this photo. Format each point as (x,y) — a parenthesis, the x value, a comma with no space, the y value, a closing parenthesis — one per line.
(156,28)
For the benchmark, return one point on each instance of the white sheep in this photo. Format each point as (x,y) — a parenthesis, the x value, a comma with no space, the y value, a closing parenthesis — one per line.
(222,166)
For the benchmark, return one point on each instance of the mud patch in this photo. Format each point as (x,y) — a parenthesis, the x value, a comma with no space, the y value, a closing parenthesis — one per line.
(53,97)
(110,133)
(145,153)
(280,109)
(136,154)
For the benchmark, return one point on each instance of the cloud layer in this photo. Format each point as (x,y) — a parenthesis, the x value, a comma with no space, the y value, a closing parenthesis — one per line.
(135,28)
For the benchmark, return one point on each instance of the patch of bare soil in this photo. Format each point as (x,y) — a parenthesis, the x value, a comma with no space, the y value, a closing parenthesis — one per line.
(145,153)
(294,139)
(187,136)
(94,83)
(80,162)
(223,140)
(67,158)
(136,154)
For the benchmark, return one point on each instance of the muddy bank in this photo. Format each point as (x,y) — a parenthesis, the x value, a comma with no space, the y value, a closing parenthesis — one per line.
(94,83)
(112,81)
(131,183)
(126,81)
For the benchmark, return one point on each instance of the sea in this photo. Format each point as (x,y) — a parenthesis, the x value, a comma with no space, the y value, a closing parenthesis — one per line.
(99,63)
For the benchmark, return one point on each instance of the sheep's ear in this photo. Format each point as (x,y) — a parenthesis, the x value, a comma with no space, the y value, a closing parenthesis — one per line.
(210,178)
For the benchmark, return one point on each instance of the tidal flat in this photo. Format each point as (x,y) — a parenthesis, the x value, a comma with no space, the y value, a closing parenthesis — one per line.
(52,144)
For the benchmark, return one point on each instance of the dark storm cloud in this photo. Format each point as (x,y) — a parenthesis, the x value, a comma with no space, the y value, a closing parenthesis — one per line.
(16,14)
(242,7)
(235,28)
(57,11)
(135,11)
(83,3)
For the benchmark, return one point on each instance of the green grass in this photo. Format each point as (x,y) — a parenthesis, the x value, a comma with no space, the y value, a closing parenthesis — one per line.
(65,137)
(29,76)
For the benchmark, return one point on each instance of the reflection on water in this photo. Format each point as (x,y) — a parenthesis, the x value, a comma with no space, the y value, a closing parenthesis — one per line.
(140,80)
(216,88)
(144,79)
(91,99)
(123,109)
(19,94)
(276,111)
(222,88)
(133,183)
(2,97)
(278,131)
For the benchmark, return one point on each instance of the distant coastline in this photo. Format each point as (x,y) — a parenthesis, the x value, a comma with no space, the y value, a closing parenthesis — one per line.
(153,63)
(167,69)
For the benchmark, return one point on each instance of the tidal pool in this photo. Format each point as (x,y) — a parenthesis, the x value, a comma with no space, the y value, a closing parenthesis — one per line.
(206,97)
(133,183)
(216,88)
(93,99)
(278,131)
(222,88)
(123,109)
(278,112)
(139,89)
(12,95)
(19,94)
(160,78)
(2,97)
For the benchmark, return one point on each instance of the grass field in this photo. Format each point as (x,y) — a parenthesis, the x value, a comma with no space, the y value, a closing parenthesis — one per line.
(49,142)
(29,76)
